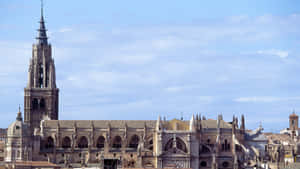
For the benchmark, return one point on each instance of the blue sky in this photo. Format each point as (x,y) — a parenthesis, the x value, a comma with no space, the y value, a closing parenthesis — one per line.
(140,59)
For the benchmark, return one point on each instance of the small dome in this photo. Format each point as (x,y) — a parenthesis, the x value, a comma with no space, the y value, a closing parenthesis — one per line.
(293,115)
(17,128)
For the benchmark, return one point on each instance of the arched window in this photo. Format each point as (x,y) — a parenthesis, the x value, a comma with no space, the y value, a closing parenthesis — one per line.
(169,145)
(134,142)
(180,145)
(41,76)
(226,145)
(117,142)
(49,143)
(42,104)
(204,149)
(151,144)
(35,104)
(83,142)
(100,142)
(66,142)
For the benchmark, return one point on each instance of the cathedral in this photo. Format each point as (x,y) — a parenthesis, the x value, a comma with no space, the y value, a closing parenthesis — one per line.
(198,143)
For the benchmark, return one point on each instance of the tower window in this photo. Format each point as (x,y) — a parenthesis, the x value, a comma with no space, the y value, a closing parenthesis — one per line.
(49,143)
(35,104)
(42,104)
(41,76)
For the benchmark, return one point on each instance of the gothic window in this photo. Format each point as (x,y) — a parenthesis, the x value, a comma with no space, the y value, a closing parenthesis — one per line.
(49,143)
(47,77)
(83,142)
(134,141)
(151,144)
(42,104)
(204,149)
(117,142)
(226,146)
(169,145)
(41,76)
(100,142)
(180,145)
(66,142)
(35,104)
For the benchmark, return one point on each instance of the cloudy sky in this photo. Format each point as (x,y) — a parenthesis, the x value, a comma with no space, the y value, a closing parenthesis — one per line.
(139,59)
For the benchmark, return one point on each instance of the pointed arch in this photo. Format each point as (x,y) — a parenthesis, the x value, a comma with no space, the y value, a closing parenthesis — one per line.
(49,143)
(204,149)
(134,141)
(181,145)
(83,142)
(117,142)
(169,145)
(100,142)
(150,144)
(226,145)
(66,143)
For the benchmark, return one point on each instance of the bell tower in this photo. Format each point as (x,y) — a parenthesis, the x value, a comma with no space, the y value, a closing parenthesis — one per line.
(41,93)
(294,124)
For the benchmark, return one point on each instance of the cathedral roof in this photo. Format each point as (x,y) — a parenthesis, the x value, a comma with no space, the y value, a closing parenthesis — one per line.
(100,123)
(182,125)
(210,123)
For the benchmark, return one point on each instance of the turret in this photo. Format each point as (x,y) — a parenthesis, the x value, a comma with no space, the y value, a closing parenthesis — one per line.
(158,124)
(192,124)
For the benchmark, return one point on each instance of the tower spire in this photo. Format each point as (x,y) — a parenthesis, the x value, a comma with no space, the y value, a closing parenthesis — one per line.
(42,36)
(42,8)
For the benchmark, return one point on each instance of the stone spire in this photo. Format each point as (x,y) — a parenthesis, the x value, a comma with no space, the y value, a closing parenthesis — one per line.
(158,124)
(42,35)
(243,123)
(19,115)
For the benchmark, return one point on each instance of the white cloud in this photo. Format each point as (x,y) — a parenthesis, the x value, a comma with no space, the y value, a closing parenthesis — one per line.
(265,99)
(274,52)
